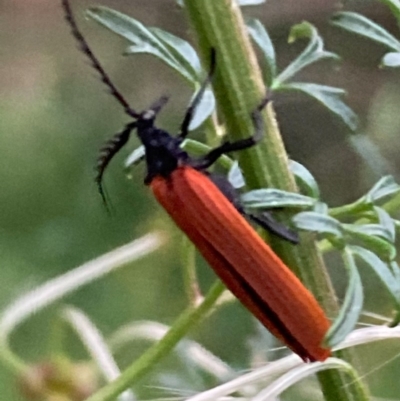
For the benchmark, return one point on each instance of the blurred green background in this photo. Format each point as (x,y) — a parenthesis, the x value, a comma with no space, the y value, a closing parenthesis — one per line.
(55,115)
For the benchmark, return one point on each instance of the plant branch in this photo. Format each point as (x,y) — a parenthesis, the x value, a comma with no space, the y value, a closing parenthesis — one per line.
(189,318)
(239,88)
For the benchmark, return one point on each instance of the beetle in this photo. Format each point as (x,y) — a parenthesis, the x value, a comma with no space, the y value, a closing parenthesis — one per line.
(207,209)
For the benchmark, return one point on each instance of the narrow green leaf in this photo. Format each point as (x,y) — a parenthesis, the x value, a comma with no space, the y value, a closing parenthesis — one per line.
(395,270)
(394,6)
(381,269)
(386,186)
(235,176)
(330,97)
(181,49)
(322,224)
(305,179)
(135,157)
(311,54)
(126,27)
(352,303)
(387,223)
(143,39)
(272,198)
(363,26)
(367,235)
(391,60)
(321,208)
(200,149)
(260,36)
(374,230)
(203,110)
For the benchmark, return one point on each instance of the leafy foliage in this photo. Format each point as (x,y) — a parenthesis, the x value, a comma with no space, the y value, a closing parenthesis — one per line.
(363,26)
(328,96)
(370,238)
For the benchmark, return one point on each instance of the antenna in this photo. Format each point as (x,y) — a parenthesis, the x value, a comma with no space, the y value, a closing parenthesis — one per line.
(83,45)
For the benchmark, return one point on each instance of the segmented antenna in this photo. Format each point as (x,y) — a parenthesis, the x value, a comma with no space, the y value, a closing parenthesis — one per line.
(112,146)
(107,152)
(83,45)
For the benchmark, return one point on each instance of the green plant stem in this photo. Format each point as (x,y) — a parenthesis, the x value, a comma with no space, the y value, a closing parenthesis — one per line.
(189,318)
(10,360)
(358,206)
(239,88)
(189,272)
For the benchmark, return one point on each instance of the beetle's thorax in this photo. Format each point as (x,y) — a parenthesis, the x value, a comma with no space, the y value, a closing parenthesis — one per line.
(163,152)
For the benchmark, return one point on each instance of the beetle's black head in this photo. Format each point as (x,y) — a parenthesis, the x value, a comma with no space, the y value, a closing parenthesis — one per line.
(162,151)
(147,117)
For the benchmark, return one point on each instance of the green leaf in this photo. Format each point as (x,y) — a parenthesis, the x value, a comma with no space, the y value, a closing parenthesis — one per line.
(174,51)
(395,270)
(322,224)
(273,198)
(260,36)
(135,157)
(391,60)
(235,176)
(311,54)
(330,97)
(386,186)
(305,179)
(321,208)
(367,235)
(182,50)
(381,269)
(387,223)
(200,149)
(363,26)
(352,303)
(203,110)
(374,230)
(394,6)
(143,39)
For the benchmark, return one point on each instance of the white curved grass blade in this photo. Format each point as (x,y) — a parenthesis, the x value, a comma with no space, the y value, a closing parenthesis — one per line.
(296,374)
(274,368)
(96,346)
(283,365)
(188,349)
(54,289)
(376,316)
(368,335)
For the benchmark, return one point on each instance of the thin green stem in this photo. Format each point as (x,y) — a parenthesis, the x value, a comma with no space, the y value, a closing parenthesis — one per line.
(11,361)
(239,88)
(189,272)
(189,318)
(358,206)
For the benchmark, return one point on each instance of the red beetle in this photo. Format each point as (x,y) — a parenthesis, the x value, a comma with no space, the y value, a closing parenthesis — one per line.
(206,209)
